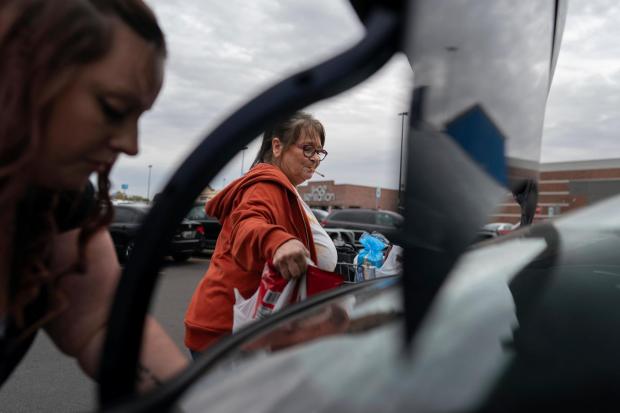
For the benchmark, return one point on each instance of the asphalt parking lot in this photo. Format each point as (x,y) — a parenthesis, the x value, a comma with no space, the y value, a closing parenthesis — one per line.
(49,381)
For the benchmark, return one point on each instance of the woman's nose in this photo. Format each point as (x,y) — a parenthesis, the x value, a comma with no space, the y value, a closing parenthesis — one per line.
(126,140)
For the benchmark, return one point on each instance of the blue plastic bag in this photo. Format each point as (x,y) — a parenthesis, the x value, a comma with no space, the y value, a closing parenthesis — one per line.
(371,255)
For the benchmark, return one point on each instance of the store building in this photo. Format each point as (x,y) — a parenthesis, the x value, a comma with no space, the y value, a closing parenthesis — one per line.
(565,186)
(328,194)
(562,186)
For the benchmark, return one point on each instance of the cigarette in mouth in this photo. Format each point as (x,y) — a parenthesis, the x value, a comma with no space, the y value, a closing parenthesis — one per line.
(320,174)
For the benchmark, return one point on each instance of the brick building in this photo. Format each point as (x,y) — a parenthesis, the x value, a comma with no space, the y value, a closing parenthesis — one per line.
(564,186)
(326,194)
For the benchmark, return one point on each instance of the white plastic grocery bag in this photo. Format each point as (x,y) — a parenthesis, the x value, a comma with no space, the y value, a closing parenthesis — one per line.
(273,294)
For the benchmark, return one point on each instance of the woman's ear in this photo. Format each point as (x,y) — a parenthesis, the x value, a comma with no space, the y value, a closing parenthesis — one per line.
(276,147)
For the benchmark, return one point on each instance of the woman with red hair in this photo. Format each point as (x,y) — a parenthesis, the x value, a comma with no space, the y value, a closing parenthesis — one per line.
(75,77)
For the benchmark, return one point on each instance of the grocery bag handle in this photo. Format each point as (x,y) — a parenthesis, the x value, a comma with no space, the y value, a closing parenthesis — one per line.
(298,285)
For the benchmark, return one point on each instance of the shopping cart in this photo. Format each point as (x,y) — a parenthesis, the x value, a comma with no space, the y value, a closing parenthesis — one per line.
(345,266)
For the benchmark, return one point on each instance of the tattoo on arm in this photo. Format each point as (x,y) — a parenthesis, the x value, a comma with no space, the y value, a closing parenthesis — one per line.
(145,375)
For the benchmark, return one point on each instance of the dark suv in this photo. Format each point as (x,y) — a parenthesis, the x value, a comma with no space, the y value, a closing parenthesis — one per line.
(209,228)
(127,220)
(359,220)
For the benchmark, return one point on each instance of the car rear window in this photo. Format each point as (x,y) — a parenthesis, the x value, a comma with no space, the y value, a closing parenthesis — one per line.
(387,219)
(365,217)
(342,216)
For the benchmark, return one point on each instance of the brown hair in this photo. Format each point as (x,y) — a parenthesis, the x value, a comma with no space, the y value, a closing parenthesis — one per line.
(42,43)
(288,131)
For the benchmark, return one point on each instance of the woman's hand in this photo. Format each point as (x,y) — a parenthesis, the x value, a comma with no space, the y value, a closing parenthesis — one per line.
(80,331)
(290,259)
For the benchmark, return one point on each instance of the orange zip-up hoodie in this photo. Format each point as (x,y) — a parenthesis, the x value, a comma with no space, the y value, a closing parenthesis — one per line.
(259,212)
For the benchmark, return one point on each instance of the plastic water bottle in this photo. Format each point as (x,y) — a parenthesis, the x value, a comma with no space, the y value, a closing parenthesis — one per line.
(369,273)
(359,273)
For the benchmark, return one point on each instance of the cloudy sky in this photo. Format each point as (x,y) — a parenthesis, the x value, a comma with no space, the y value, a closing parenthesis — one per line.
(583,110)
(221,54)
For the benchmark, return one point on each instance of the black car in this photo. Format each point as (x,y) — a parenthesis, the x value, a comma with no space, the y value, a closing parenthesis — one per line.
(209,228)
(361,220)
(127,220)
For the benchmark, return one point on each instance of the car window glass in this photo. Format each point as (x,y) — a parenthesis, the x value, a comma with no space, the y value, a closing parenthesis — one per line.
(385,219)
(367,217)
(343,216)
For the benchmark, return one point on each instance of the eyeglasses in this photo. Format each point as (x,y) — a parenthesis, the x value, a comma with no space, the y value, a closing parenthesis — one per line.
(309,151)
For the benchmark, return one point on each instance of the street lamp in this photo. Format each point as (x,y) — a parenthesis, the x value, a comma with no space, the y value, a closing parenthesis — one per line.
(400,169)
(243,158)
(148,186)
(448,81)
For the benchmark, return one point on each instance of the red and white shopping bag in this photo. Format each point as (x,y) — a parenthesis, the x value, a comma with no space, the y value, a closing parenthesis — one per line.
(275,292)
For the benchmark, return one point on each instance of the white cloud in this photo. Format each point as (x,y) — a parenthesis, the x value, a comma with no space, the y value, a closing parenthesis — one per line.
(583,110)
(221,54)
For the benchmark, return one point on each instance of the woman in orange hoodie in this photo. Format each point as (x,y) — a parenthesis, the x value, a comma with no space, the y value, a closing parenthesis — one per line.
(263,217)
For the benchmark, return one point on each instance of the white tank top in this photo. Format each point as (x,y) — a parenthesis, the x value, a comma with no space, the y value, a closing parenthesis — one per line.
(326,253)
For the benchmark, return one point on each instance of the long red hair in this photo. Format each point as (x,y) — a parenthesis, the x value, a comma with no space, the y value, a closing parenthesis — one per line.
(42,44)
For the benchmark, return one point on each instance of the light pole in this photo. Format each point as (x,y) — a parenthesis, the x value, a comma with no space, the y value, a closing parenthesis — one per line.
(449,82)
(400,169)
(243,158)
(148,186)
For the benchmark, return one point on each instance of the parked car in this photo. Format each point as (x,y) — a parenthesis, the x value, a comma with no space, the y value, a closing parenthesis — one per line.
(129,217)
(209,228)
(365,220)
